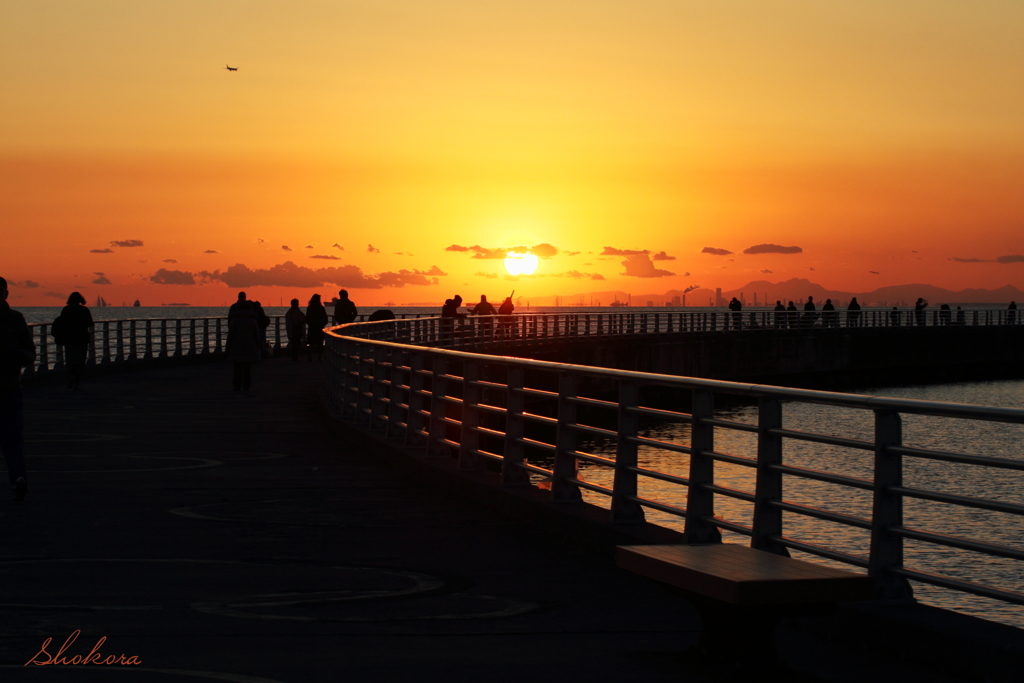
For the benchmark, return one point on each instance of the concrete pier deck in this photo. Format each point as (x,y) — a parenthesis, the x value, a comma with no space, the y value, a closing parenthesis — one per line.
(221,536)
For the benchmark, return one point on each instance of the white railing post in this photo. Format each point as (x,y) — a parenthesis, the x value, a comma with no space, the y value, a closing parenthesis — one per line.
(396,400)
(625,484)
(414,416)
(767,527)
(700,502)
(566,465)
(515,401)
(887,509)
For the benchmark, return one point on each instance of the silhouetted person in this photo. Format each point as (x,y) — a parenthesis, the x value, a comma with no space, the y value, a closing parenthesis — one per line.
(17,351)
(792,314)
(506,325)
(345,311)
(295,328)
(894,317)
(810,312)
(262,322)
(853,313)
(828,314)
(73,330)
(737,316)
(919,311)
(1011,313)
(945,314)
(244,344)
(242,303)
(780,315)
(316,320)
(484,307)
(960,319)
(381,314)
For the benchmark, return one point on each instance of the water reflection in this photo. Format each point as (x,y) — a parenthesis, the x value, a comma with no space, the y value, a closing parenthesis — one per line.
(960,436)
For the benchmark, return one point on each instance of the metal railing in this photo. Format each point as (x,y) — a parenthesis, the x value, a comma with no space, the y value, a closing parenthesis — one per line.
(144,339)
(532,420)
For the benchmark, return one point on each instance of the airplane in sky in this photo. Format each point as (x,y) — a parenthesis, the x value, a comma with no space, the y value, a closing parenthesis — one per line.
(231,68)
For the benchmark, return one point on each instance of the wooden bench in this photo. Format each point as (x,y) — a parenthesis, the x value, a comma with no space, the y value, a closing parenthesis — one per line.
(741,593)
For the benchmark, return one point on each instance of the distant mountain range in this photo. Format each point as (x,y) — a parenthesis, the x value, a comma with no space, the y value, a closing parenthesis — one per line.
(797,290)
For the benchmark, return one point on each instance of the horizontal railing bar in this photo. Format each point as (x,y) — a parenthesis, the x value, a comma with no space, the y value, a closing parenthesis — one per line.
(540,418)
(596,402)
(731,526)
(730,492)
(590,486)
(953,499)
(661,445)
(957,584)
(662,476)
(730,424)
(818,513)
(536,444)
(837,555)
(728,457)
(533,468)
(487,454)
(957,542)
(828,477)
(594,430)
(665,414)
(823,438)
(596,459)
(655,505)
(982,460)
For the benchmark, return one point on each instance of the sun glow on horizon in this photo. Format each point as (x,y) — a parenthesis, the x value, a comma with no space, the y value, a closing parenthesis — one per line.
(521,264)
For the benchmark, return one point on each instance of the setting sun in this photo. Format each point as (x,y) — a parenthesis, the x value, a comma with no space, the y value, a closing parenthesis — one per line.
(520,264)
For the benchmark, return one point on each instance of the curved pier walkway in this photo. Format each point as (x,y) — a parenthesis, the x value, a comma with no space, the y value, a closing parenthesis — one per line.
(225,537)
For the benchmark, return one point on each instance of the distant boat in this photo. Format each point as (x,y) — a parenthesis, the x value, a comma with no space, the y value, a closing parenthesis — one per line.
(101,302)
(619,304)
(136,304)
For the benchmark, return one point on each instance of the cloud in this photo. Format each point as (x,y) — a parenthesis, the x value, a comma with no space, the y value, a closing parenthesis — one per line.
(285,247)
(126,243)
(210,251)
(597,276)
(55,295)
(572,253)
(172,277)
(715,251)
(27,284)
(372,249)
(686,274)
(288,274)
(260,240)
(1011,258)
(765,271)
(542,250)
(170,260)
(662,256)
(810,269)
(771,249)
(489,276)
(101,279)
(337,246)
(101,251)
(641,265)
(612,251)
(328,257)
(308,246)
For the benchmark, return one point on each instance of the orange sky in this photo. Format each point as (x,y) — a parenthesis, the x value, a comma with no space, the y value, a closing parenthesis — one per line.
(872,137)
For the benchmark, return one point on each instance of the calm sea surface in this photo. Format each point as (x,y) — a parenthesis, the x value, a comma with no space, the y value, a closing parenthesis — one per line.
(967,436)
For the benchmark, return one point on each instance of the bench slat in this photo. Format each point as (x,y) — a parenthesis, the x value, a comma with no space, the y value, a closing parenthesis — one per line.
(744,576)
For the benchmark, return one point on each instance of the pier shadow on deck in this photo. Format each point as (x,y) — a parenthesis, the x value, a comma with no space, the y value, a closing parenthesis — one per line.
(220,536)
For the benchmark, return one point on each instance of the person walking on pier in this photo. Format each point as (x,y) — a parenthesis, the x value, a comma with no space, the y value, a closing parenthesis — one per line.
(737,313)
(792,314)
(945,314)
(853,313)
(506,324)
(919,310)
(780,315)
(1011,313)
(316,321)
(295,328)
(17,351)
(73,330)
(262,322)
(828,315)
(345,310)
(244,344)
(809,313)
(484,308)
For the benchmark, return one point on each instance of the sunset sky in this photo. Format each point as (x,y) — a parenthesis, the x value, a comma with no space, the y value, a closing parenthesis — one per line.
(399,148)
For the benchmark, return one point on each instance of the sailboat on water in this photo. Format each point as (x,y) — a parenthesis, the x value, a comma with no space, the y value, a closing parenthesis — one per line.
(101,302)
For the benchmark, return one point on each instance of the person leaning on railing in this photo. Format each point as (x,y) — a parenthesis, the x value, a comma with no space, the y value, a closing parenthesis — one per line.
(17,351)
(73,330)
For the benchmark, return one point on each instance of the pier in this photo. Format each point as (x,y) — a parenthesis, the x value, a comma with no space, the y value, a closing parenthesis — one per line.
(216,535)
